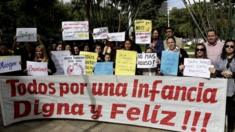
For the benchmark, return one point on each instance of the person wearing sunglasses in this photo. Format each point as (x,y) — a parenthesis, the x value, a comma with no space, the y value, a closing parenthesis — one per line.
(199,53)
(225,68)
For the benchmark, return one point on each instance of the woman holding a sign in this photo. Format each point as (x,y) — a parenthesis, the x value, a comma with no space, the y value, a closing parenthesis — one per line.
(41,56)
(151,60)
(172,57)
(199,53)
(225,67)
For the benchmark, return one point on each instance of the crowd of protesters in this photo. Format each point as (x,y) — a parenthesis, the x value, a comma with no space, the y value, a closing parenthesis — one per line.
(221,54)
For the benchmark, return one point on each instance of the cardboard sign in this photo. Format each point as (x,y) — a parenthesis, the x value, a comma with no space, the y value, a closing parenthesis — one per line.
(10,63)
(143,25)
(100,33)
(169,63)
(147,60)
(125,62)
(74,65)
(143,30)
(37,68)
(26,34)
(197,67)
(172,103)
(91,59)
(58,59)
(75,30)
(103,68)
(118,37)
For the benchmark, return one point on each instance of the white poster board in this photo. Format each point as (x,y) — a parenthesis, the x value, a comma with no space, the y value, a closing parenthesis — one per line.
(37,68)
(143,38)
(74,65)
(75,30)
(26,34)
(100,33)
(58,59)
(117,37)
(147,60)
(197,67)
(10,63)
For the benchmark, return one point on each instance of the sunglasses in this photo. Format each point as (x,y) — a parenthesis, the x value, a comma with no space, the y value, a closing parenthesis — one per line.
(200,49)
(229,46)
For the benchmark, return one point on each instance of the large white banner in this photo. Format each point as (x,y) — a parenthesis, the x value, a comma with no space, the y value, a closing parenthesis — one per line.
(10,63)
(75,30)
(197,67)
(74,65)
(147,60)
(58,59)
(26,34)
(37,68)
(172,103)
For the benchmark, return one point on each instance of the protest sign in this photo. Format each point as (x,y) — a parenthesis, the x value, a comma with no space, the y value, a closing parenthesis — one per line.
(147,60)
(143,38)
(26,34)
(169,63)
(171,103)
(74,65)
(118,37)
(100,33)
(90,60)
(103,68)
(125,62)
(143,30)
(10,63)
(75,30)
(58,59)
(37,68)
(143,25)
(197,67)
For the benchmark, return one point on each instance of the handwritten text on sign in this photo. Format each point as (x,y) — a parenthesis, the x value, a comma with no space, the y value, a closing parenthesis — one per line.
(75,30)
(74,65)
(169,62)
(10,63)
(37,68)
(173,103)
(147,60)
(26,34)
(90,60)
(197,67)
(118,36)
(100,33)
(125,62)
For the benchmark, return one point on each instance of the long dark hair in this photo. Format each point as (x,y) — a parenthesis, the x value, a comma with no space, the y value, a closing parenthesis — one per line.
(205,52)
(132,44)
(224,54)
